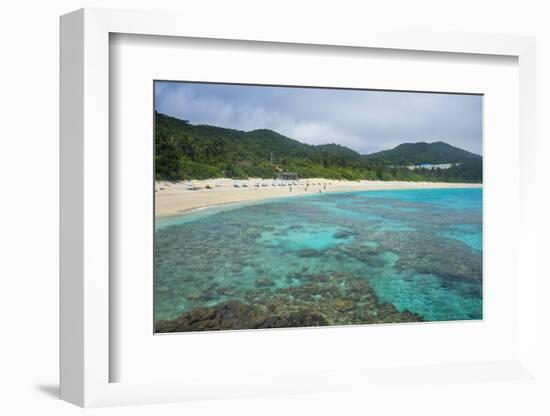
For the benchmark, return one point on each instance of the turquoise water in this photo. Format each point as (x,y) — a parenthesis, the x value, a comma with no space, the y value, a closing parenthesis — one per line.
(417,250)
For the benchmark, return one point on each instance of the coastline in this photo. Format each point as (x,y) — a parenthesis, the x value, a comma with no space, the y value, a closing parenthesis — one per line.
(174,198)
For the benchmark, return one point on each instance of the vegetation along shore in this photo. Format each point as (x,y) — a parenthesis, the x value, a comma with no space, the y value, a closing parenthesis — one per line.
(217,166)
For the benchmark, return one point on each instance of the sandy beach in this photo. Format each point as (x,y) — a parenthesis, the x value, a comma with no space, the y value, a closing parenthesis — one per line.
(174,198)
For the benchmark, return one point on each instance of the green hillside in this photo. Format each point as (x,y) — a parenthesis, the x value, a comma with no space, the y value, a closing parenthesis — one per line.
(418,153)
(186,151)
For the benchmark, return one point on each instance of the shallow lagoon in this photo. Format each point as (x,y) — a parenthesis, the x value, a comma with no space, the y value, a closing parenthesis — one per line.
(416,250)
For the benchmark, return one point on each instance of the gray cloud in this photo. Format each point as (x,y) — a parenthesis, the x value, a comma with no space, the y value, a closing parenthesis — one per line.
(366,121)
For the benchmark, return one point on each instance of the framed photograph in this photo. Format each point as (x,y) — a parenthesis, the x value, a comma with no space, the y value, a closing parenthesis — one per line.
(255,229)
(269,213)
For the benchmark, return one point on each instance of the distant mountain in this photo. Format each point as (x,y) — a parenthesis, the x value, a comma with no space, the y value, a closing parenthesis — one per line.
(418,153)
(187,151)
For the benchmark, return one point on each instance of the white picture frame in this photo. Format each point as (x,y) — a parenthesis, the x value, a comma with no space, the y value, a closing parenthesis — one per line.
(85,210)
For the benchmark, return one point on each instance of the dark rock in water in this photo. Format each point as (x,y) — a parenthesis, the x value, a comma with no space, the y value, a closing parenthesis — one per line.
(309,252)
(344,234)
(231,315)
(209,295)
(236,315)
(387,313)
(295,319)
(253,235)
(370,257)
(316,278)
(338,298)
(295,227)
(453,267)
(264,281)
(428,253)
(409,316)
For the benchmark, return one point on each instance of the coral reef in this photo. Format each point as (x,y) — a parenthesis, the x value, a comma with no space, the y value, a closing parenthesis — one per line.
(353,258)
(342,299)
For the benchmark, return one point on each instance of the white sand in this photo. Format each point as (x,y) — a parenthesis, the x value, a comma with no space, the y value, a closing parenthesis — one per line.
(174,197)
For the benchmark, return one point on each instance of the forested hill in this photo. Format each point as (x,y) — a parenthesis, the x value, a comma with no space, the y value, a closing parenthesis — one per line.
(187,151)
(418,153)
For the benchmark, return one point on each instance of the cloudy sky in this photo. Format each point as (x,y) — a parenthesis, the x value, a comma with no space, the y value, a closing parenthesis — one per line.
(366,121)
